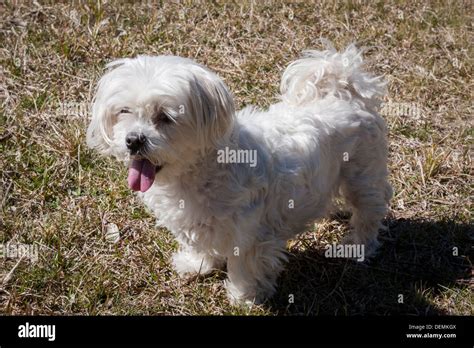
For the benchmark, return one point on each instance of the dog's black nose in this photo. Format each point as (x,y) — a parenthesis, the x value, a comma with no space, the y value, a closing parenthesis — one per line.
(135,141)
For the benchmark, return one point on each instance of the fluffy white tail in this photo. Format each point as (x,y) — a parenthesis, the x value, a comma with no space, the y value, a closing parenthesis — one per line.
(319,74)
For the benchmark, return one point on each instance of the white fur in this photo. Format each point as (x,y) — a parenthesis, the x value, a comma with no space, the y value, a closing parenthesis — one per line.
(234,214)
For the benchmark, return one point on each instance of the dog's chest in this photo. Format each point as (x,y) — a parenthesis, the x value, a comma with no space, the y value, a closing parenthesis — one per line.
(192,221)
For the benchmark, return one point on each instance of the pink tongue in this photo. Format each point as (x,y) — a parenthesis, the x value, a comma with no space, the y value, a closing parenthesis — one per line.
(141,175)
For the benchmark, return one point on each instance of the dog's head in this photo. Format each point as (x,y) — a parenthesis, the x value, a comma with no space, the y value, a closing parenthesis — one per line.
(159,114)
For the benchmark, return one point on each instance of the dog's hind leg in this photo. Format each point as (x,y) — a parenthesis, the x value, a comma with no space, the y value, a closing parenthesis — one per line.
(369,206)
(367,191)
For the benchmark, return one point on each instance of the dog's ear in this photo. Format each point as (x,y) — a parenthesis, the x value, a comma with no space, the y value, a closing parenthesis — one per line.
(99,131)
(100,128)
(212,106)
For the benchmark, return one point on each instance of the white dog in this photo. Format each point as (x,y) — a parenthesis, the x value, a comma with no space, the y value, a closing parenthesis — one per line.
(171,120)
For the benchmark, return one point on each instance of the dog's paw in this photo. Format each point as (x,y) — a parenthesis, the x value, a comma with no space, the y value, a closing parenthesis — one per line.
(188,264)
(237,297)
(370,249)
(245,297)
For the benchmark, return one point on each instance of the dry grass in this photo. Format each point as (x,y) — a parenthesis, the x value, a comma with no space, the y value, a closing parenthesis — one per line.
(60,196)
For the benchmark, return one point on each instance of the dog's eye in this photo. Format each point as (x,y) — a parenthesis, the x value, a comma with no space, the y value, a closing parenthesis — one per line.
(125,111)
(162,118)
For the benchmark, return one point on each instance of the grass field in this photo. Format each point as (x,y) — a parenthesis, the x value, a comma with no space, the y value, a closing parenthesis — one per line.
(62,198)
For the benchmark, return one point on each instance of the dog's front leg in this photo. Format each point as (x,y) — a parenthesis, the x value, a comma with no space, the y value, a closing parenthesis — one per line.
(252,273)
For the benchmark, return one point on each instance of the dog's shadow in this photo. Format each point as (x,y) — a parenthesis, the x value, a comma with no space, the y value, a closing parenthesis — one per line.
(418,262)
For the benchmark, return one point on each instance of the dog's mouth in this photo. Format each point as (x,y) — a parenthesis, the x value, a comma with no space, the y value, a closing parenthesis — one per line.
(141,174)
